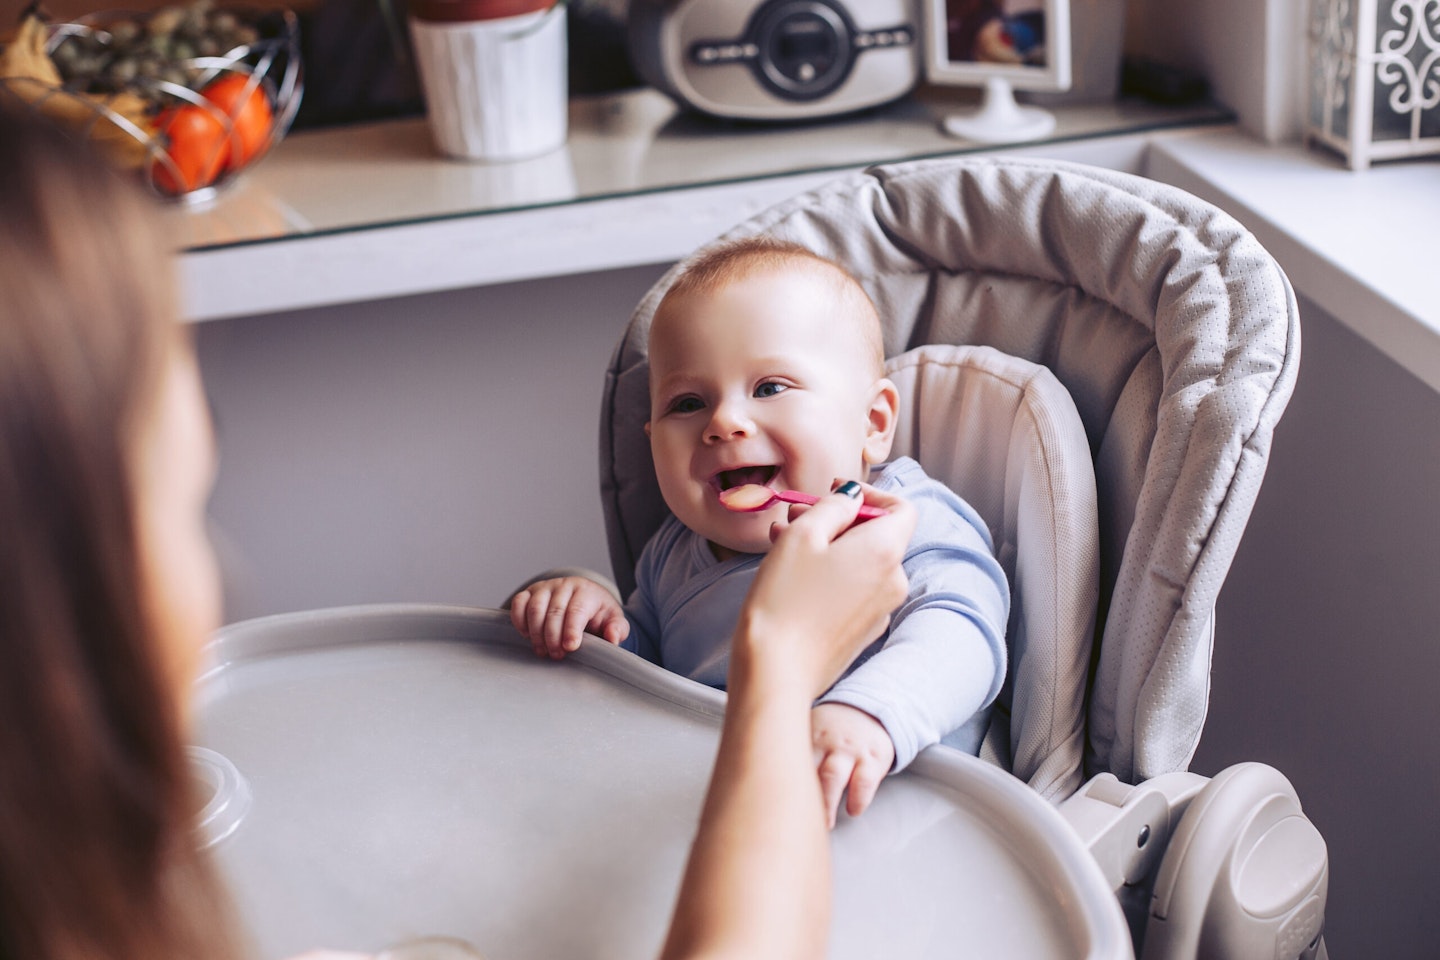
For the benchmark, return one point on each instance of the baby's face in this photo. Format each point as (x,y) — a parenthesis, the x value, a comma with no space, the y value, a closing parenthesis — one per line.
(760,382)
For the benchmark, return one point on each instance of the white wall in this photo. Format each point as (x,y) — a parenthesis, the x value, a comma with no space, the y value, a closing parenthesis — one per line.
(1251,51)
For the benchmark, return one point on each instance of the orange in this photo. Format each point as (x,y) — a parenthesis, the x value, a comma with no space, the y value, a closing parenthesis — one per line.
(197,144)
(250,113)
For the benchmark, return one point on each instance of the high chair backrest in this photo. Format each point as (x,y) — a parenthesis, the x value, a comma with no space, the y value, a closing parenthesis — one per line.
(1174,332)
(1006,432)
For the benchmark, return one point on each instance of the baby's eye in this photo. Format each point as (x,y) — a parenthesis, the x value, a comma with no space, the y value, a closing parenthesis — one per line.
(770,388)
(686,405)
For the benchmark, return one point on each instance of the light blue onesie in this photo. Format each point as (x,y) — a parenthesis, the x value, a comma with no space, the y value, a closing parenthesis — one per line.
(932,677)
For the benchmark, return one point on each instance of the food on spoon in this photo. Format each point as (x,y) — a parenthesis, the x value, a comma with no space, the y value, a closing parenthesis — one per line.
(750,497)
(747,497)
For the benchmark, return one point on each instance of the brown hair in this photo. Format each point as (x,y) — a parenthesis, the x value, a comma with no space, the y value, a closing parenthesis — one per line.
(97,854)
(740,259)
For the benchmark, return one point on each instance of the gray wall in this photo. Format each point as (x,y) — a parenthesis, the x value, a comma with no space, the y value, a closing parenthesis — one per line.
(1327,648)
(440,448)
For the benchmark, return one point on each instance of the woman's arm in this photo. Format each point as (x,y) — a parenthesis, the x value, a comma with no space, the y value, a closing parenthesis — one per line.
(758,880)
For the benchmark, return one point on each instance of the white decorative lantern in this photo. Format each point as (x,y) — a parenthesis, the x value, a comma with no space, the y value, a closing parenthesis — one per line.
(1375,78)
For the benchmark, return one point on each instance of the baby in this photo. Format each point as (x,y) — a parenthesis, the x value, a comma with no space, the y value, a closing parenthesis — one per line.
(766,366)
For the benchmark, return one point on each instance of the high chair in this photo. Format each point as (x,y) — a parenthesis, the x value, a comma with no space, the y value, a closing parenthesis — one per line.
(1096,362)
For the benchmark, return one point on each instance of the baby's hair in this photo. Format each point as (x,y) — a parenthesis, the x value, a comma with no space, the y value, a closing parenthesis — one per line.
(739,259)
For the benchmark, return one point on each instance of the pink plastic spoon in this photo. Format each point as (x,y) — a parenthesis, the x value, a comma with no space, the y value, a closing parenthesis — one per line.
(750,497)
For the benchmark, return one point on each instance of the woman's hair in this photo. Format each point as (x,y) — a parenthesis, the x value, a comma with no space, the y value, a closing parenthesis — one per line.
(97,854)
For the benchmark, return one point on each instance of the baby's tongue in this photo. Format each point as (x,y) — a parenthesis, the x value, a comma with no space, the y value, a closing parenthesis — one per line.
(744,475)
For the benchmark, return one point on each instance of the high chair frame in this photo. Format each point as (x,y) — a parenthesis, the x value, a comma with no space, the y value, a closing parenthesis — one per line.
(1176,337)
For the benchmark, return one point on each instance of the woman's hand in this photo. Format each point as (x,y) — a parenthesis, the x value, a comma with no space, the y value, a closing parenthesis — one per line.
(824,592)
(758,883)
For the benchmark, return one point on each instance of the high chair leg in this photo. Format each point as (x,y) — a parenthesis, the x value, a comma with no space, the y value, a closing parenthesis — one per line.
(1127,830)
(1246,874)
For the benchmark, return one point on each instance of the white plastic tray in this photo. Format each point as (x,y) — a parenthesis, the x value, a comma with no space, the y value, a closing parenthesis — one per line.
(415,770)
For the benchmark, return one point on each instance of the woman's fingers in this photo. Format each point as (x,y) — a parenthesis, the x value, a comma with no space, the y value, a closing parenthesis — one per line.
(830,585)
(877,546)
(854,493)
(828,517)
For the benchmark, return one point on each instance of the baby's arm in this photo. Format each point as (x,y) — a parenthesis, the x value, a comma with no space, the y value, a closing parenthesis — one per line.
(853,753)
(944,659)
(552,614)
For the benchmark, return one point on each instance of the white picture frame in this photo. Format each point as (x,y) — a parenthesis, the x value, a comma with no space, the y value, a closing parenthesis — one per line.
(961,48)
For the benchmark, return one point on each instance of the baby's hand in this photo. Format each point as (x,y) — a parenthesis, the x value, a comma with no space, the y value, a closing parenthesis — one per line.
(852,750)
(552,614)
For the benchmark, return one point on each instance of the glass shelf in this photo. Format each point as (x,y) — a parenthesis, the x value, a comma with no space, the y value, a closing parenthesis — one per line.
(369,176)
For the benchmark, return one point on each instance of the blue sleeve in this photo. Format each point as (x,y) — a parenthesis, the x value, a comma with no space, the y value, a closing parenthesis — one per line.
(644,638)
(943,662)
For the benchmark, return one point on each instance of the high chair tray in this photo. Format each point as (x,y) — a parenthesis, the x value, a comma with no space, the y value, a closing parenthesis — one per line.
(404,770)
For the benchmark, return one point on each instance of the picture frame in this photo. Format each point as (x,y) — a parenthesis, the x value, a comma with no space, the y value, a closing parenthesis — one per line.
(1000,46)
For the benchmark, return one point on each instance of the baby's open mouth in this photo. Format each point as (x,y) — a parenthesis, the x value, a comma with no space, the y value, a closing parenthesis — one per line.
(740,476)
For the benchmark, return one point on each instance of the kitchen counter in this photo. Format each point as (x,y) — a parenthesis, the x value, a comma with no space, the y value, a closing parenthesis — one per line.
(369,212)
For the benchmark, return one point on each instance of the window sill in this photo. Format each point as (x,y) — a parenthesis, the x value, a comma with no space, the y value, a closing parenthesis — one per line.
(1359,244)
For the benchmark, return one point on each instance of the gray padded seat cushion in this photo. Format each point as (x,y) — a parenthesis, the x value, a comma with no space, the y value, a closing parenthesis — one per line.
(1173,330)
(1003,433)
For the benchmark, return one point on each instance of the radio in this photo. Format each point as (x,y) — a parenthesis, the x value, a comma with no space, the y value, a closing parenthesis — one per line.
(777,59)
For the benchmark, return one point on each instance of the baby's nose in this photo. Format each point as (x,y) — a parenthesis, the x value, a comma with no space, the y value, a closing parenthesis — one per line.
(728,423)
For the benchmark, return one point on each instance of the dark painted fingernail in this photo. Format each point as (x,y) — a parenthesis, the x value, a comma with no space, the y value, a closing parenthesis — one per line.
(849,488)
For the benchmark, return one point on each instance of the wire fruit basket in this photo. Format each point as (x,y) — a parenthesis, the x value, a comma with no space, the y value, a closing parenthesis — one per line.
(185,97)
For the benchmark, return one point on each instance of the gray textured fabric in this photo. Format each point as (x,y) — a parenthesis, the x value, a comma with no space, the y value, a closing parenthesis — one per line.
(1005,434)
(1173,330)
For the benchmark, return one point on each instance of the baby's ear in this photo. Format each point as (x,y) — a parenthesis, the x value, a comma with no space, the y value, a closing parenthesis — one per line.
(882,416)
(647,429)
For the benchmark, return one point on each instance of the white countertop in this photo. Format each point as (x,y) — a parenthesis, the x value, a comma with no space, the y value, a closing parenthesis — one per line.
(367,212)
(370,212)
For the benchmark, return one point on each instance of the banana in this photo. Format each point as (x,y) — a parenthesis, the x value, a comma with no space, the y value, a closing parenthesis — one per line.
(117,123)
(25,56)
